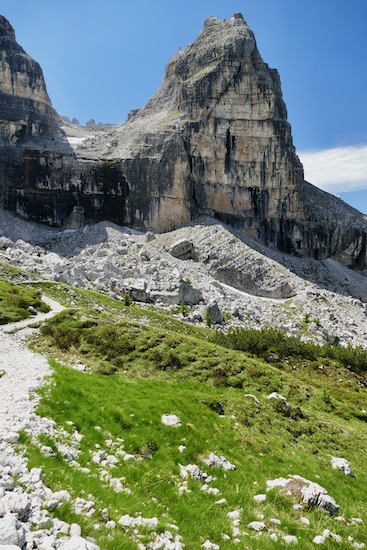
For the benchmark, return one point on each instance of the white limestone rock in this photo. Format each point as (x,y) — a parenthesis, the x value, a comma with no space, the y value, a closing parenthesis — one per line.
(276,395)
(208,545)
(11,531)
(250,396)
(79,543)
(170,420)
(290,539)
(343,465)
(257,525)
(219,461)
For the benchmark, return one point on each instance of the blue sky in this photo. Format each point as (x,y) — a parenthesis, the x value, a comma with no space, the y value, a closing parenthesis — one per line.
(101,59)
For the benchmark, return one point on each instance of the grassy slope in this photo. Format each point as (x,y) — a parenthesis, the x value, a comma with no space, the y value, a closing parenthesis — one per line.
(165,366)
(15,300)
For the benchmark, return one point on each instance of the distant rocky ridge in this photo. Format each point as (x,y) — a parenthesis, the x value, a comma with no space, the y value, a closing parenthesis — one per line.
(213,140)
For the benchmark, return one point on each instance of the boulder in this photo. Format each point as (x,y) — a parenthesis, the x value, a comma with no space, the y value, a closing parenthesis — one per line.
(213,312)
(11,531)
(343,465)
(182,249)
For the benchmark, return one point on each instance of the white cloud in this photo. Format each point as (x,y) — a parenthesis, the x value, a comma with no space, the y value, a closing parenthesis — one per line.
(337,170)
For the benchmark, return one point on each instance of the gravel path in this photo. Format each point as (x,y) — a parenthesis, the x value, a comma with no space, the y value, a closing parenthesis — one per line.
(23,370)
(24,523)
(55,308)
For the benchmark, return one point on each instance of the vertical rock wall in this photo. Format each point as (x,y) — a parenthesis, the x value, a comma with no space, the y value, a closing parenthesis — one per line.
(214,139)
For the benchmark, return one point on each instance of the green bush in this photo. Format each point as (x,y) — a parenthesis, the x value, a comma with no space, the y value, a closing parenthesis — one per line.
(271,341)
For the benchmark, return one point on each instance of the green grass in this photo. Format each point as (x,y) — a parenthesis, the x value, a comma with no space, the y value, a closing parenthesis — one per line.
(157,364)
(15,300)
(270,341)
(262,444)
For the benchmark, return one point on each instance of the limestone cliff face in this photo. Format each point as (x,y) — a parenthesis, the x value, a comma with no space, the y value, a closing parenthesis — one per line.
(214,139)
(40,177)
(25,109)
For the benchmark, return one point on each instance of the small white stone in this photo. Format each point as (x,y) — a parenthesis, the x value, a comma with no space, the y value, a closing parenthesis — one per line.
(75,530)
(111,524)
(340,519)
(343,465)
(170,420)
(208,545)
(260,498)
(290,539)
(249,395)
(11,437)
(257,525)
(304,520)
(126,521)
(236,514)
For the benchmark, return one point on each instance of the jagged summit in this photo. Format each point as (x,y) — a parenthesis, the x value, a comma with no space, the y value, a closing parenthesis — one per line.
(213,140)
(6,30)
(219,40)
(26,111)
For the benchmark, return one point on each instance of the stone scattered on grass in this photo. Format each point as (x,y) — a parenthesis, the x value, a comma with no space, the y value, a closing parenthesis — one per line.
(257,525)
(309,493)
(128,521)
(276,395)
(219,461)
(170,420)
(253,397)
(343,465)
(208,545)
(290,539)
(78,543)
(193,471)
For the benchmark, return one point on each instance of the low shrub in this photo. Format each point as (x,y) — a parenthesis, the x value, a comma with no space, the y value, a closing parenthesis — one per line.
(271,341)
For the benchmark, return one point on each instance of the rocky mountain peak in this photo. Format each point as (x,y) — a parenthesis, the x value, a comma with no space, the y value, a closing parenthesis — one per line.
(25,107)
(213,140)
(190,75)
(6,30)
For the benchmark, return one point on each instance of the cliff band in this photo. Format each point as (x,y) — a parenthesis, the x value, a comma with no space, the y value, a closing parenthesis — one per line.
(213,140)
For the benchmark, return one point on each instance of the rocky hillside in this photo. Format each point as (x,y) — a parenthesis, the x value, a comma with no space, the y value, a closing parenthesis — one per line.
(206,266)
(213,140)
(167,422)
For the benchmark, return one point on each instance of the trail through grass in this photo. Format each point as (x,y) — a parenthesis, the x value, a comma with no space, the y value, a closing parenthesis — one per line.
(158,365)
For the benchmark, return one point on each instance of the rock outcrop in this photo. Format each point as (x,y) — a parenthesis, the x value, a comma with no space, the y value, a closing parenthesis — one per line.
(213,140)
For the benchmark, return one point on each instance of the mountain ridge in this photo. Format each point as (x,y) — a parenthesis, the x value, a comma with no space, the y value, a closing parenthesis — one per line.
(213,140)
